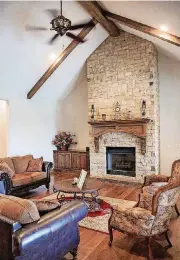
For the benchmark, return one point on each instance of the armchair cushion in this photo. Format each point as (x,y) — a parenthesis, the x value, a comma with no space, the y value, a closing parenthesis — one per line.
(21,210)
(151,189)
(135,221)
(4,167)
(146,201)
(35,165)
(9,161)
(21,163)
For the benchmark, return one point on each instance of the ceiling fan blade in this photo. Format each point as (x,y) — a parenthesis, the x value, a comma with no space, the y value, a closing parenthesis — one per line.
(74,37)
(54,38)
(35,28)
(79,26)
(53,12)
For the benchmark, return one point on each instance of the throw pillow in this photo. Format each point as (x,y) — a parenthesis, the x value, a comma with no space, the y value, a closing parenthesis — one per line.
(4,167)
(46,205)
(9,162)
(21,163)
(35,165)
(22,210)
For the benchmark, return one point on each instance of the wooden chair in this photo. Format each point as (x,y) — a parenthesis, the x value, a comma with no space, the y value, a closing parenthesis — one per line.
(147,222)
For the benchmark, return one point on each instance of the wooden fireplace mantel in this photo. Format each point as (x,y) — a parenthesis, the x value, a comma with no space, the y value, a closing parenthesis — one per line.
(136,127)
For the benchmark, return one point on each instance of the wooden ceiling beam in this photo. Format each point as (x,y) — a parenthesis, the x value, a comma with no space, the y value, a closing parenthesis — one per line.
(59,60)
(95,10)
(173,39)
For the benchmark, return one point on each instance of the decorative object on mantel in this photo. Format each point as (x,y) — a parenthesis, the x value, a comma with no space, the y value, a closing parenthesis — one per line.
(104,117)
(129,114)
(135,127)
(63,141)
(117,110)
(143,108)
(92,111)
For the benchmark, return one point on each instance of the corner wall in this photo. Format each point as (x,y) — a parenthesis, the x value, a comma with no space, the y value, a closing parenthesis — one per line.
(169,79)
(73,111)
(4,129)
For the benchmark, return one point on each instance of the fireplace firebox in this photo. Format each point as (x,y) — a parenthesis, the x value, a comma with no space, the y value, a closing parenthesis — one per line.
(121,161)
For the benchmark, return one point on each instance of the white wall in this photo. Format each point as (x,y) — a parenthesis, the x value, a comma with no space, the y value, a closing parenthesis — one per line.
(32,127)
(169,76)
(73,116)
(4,120)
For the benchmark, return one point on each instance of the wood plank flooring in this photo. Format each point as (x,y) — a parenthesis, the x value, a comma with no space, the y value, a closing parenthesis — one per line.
(94,245)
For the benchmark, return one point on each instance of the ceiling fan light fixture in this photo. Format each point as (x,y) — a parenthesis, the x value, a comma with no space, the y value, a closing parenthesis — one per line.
(60,24)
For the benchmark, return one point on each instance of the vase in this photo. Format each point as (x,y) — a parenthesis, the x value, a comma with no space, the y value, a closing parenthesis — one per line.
(64,148)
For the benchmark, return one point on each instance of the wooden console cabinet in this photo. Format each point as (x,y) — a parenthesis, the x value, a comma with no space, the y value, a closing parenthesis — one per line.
(71,160)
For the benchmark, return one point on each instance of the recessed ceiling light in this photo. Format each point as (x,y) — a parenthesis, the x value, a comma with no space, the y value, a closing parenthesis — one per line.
(164,28)
(52,56)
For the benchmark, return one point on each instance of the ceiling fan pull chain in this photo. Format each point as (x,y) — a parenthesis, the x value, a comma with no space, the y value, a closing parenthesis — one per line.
(61,7)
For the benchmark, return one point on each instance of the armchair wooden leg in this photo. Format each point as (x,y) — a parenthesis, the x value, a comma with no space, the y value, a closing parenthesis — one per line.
(177,211)
(167,238)
(150,256)
(110,235)
(74,253)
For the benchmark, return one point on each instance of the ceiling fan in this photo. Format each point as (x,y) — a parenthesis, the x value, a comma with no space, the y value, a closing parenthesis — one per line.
(61,25)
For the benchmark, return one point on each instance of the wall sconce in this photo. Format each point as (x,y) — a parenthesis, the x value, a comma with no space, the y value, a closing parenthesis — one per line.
(143,108)
(92,111)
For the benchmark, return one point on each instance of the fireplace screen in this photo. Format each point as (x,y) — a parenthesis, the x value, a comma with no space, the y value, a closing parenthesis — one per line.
(121,161)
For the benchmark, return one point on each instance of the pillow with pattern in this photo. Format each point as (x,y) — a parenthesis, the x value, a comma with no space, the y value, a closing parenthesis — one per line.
(4,167)
(35,165)
(44,205)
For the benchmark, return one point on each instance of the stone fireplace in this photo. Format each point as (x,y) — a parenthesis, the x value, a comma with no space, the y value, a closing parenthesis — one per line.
(124,69)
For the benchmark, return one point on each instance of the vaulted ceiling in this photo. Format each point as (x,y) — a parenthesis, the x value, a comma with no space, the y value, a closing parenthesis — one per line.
(25,55)
(152,13)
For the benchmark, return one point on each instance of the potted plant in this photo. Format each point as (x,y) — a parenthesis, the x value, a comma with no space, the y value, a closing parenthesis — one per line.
(63,141)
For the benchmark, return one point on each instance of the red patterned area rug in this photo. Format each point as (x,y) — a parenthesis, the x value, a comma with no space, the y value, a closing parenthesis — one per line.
(97,219)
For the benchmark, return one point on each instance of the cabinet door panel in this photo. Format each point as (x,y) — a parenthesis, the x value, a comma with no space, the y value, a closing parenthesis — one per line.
(75,161)
(64,160)
(83,161)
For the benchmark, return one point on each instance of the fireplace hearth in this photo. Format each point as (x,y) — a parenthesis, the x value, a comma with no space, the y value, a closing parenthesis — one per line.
(121,161)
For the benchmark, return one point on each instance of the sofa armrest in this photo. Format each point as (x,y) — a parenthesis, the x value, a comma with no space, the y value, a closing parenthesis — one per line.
(7,181)
(56,223)
(47,167)
(148,180)
(7,229)
(14,224)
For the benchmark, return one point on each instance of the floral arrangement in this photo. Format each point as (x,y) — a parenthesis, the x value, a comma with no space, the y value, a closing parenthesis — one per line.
(63,140)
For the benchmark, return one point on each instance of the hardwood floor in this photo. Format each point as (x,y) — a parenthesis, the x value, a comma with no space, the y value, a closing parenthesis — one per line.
(94,245)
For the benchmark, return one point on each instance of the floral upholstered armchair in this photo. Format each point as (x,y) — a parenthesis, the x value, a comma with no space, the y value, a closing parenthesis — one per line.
(147,222)
(153,182)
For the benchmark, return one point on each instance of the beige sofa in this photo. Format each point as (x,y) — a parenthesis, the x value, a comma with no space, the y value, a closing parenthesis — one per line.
(23,180)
